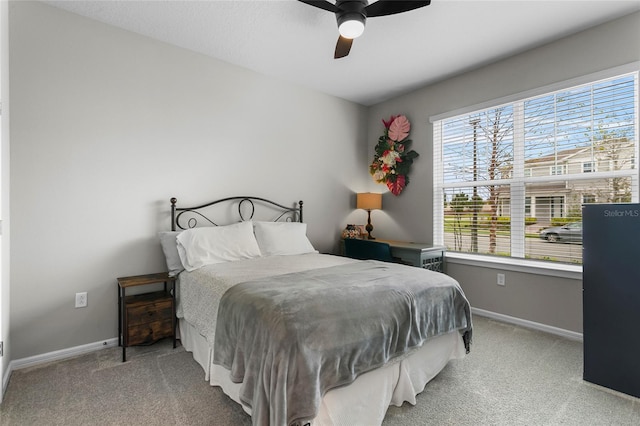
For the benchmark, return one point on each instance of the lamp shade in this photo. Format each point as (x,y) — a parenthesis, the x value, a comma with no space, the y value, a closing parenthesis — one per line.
(369,201)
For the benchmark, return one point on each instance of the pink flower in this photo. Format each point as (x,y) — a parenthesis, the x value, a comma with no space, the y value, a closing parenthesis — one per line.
(387,123)
(399,128)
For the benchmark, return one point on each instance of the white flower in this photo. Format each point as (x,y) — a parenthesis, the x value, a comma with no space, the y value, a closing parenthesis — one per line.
(389,158)
(378,176)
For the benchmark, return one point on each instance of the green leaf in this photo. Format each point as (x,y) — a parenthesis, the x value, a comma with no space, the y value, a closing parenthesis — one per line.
(403,168)
(411,155)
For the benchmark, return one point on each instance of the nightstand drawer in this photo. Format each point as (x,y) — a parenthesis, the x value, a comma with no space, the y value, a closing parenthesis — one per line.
(145,318)
(148,312)
(149,332)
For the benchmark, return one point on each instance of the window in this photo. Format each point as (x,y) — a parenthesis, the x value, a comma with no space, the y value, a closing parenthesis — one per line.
(506,174)
(557,170)
(588,167)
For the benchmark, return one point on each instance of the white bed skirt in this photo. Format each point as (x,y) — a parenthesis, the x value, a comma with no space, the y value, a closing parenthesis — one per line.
(365,401)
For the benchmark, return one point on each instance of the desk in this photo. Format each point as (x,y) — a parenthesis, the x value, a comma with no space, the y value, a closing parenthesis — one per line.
(419,254)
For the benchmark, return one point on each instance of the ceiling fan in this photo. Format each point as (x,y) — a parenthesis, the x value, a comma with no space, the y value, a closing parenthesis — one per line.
(352,15)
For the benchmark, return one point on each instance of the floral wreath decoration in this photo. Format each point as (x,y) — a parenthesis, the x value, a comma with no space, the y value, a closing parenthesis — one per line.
(392,160)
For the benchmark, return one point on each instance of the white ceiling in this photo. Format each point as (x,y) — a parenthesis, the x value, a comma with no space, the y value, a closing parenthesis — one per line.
(294,42)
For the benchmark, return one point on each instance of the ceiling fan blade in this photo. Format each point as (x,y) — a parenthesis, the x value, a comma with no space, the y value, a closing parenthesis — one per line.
(391,7)
(343,46)
(321,4)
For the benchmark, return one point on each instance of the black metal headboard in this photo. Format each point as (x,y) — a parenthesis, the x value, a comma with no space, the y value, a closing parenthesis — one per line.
(246,210)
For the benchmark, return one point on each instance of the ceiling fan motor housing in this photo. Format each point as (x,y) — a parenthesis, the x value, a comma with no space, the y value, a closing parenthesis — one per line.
(352,15)
(351,10)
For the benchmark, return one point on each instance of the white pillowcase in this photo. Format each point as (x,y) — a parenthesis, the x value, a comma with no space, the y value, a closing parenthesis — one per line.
(170,249)
(198,247)
(282,238)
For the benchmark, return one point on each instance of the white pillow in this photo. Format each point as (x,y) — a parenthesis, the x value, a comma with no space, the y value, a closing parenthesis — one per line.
(170,248)
(198,247)
(282,238)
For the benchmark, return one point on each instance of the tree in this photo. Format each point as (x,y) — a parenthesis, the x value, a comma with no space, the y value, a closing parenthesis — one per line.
(474,198)
(458,205)
(618,153)
(497,128)
(475,205)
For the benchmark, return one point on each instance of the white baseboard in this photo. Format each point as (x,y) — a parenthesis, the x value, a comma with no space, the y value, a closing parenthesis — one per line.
(573,335)
(31,361)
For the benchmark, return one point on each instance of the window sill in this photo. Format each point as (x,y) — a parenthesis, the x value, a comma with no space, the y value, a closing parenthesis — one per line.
(536,267)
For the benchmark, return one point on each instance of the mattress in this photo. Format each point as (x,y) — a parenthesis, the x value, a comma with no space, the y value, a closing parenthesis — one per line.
(364,401)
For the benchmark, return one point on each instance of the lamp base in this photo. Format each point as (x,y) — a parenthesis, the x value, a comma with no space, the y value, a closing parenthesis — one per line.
(369,226)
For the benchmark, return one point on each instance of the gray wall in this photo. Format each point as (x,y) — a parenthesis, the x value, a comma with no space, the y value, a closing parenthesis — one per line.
(5,187)
(540,298)
(107,125)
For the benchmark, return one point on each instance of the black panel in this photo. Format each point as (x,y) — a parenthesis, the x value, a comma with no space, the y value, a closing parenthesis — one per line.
(611,296)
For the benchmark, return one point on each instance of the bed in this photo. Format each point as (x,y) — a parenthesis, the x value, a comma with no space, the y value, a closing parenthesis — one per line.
(297,337)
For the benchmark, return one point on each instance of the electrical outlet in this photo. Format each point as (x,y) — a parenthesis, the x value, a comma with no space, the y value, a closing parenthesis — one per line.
(81,300)
(501,279)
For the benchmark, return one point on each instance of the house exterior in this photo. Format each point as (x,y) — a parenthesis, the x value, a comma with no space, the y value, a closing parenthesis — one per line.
(593,174)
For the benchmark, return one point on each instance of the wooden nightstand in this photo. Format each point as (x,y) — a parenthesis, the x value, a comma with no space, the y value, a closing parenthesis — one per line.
(148,317)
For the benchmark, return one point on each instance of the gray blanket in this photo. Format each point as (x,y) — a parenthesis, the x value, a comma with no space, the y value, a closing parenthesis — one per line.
(291,338)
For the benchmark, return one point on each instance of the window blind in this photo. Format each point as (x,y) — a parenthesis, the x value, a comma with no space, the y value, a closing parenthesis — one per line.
(507,175)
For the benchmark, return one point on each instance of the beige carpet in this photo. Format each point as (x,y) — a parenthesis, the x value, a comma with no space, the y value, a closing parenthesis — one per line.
(513,376)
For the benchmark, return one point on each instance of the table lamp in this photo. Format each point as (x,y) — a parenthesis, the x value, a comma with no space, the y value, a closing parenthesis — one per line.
(369,201)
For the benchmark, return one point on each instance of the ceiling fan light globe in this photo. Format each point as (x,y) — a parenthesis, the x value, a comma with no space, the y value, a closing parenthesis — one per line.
(351,28)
